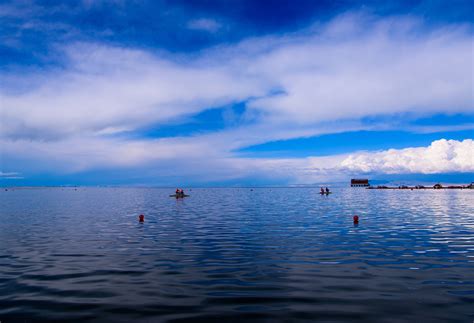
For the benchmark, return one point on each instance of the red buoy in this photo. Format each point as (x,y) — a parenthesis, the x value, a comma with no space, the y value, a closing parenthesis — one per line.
(356,219)
(141,218)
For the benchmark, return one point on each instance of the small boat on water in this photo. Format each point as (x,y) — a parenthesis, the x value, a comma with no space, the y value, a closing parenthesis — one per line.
(179,195)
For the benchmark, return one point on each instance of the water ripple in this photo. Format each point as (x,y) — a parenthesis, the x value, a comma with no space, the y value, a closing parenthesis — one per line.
(279,254)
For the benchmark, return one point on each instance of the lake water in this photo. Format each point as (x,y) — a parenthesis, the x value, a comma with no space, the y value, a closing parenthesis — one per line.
(273,254)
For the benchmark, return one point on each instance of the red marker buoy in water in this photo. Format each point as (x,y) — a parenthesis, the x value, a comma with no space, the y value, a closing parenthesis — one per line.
(141,218)
(355,219)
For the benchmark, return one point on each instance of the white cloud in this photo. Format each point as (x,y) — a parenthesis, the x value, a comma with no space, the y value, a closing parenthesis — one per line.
(118,88)
(442,156)
(10,175)
(379,71)
(328,74)
(321,80)
(205,161)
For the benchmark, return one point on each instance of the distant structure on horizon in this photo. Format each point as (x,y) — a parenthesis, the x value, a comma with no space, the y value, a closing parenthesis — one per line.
(357,182)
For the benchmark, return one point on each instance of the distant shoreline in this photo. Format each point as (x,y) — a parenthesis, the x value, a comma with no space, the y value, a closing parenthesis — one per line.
(468,187)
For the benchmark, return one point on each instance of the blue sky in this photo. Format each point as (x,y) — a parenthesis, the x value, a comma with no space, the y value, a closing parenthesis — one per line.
(235,92)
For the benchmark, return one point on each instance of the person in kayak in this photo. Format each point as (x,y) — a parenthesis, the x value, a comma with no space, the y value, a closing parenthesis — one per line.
(177,191)
(327,190)
(322,190)
(181,193)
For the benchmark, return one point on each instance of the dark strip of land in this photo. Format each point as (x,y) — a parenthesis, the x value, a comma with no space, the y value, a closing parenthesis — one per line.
(420,187)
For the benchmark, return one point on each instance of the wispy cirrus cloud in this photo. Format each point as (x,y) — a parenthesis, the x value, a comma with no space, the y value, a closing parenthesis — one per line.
(347,69)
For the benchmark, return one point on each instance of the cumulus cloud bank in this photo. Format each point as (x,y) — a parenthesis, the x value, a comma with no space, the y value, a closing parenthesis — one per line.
(442,156)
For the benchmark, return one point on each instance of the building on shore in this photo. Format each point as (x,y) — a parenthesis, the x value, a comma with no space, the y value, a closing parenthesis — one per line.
(357,182)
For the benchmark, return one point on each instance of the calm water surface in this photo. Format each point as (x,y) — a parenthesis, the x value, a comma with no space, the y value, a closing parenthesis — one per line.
(280,254)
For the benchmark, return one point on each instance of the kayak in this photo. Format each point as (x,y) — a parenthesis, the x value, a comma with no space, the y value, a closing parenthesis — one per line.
(179,196)
(325,193)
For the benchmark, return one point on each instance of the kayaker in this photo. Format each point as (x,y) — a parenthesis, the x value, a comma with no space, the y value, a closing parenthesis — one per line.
(177,191)
(322,190)
(181,193)
(327,190)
